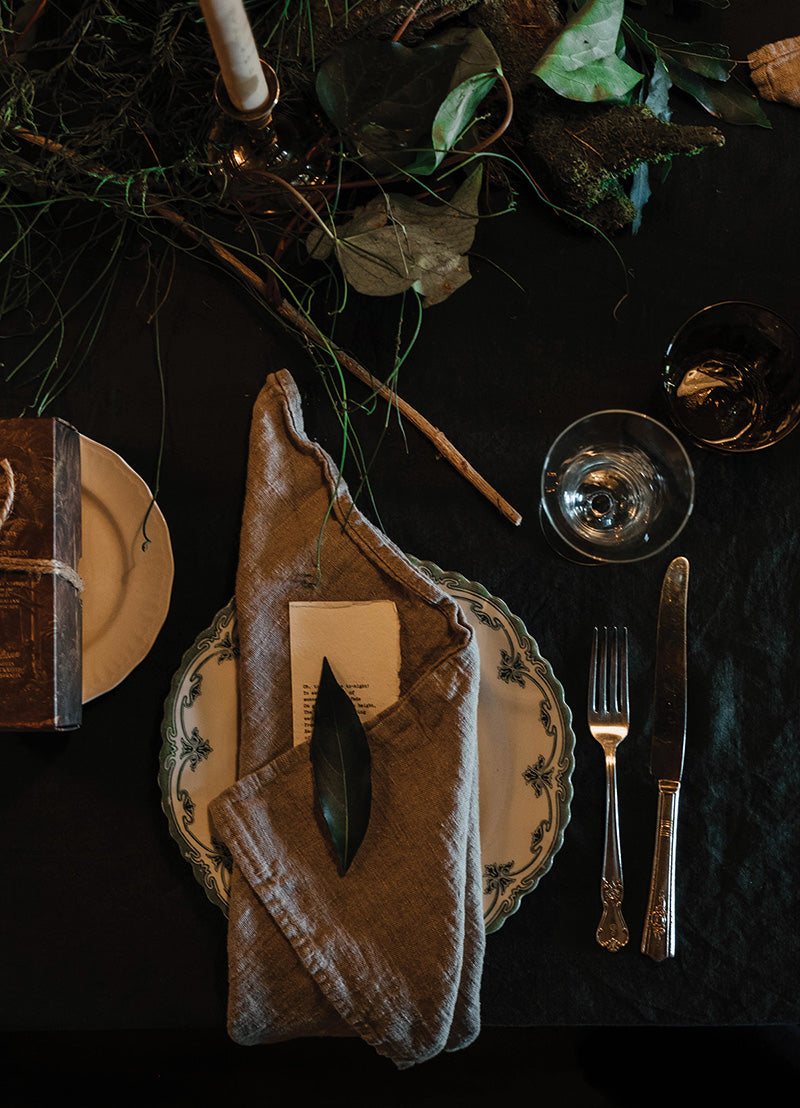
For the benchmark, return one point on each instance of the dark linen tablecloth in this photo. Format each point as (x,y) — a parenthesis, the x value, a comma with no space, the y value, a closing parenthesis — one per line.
(104,926)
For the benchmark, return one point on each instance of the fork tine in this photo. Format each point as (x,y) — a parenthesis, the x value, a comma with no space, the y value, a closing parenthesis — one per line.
(613,675)
(602,673)
(608,674)
(623,672)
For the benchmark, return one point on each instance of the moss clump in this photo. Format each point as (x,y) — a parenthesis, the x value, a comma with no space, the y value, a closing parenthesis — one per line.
(580,153)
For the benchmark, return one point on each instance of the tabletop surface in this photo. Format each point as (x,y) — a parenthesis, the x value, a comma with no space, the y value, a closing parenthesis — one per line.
(107,924)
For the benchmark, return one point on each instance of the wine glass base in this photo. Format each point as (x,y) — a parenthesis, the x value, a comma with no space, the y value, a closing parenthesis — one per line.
(563,549)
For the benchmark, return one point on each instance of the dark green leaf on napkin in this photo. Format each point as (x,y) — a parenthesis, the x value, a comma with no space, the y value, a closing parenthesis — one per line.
(342,767)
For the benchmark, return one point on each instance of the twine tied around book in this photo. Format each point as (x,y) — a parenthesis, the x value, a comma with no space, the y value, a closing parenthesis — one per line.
(8,499)
(30,566)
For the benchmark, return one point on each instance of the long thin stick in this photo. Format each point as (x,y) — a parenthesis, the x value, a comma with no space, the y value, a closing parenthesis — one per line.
(437,437)
(307,328)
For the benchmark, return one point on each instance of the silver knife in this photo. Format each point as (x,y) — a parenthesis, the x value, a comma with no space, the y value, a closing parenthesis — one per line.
(666,757)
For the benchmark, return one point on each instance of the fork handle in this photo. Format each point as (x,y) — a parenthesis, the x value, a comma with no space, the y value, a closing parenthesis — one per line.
(658,937)
(612,931)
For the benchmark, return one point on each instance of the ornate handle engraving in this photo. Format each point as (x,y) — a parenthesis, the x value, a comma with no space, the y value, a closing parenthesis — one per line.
(658,937)
(612,931)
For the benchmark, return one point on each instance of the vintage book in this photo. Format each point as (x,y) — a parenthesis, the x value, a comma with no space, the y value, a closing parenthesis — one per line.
(40,590)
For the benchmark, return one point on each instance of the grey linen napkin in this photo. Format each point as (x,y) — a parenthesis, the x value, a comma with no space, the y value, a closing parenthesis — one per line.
(393,950)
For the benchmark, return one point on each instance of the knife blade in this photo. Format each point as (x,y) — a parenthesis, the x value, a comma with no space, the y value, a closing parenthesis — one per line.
(666,757)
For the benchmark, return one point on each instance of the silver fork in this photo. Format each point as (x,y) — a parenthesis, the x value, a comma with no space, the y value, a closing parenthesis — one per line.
(608,716)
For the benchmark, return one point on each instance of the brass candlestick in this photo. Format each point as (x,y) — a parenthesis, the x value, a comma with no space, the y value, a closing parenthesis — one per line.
(253,152)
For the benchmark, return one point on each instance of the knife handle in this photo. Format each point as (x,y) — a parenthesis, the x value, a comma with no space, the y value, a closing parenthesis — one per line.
(658,938)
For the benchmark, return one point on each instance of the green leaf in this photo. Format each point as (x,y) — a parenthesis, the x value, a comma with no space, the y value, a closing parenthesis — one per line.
(666,5)
(704,75)
(732,103)
(657,99)
(398,107)
(452,119)
(342,767)
(710,59)
(582,62)
(395,243)
(639,194)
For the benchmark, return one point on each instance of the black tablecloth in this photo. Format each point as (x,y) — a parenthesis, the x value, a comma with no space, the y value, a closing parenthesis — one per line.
(105,926)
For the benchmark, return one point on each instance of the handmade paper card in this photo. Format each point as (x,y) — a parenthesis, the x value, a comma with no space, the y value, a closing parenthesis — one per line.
(360,639)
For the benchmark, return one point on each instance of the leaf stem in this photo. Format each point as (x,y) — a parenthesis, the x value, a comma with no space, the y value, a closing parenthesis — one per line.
(405,24)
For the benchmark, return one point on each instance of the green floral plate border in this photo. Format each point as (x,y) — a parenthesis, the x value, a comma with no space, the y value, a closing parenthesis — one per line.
(525,741)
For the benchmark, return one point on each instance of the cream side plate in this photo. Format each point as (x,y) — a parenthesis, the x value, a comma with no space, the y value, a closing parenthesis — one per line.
(127,585)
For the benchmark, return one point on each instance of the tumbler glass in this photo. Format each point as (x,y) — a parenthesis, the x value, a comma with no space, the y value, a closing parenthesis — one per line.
(732,377)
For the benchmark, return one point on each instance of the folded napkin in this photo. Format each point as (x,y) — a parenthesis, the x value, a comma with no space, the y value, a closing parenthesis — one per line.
(775,71)
(393,950)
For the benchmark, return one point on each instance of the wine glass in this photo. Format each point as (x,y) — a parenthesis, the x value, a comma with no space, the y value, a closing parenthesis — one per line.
(617,486)
(732,377)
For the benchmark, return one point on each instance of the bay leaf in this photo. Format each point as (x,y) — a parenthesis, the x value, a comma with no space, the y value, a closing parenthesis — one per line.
(702,70)
(729,102)
(657,99)
(639,194)
(342,767)
(710,59)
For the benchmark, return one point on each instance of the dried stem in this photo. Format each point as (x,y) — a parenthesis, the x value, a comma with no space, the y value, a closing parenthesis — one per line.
(408,19)
(307,328)
(442,443)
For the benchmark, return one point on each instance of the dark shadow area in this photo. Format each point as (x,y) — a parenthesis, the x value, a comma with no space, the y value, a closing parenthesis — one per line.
(585,1067)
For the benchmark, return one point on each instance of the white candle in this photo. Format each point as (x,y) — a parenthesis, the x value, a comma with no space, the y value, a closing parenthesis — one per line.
(235,47)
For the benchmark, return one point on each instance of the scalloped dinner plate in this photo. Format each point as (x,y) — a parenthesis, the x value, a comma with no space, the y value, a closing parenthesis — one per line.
(525,743)
(127,588)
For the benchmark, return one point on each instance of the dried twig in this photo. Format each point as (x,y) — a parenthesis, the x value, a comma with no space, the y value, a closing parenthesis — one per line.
(307,328)
(445,447)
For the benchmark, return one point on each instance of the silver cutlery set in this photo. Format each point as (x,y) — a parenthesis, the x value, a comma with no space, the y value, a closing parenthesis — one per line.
(608,716)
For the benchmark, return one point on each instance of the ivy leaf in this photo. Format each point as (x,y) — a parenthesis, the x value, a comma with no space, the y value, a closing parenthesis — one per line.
(342,767)
(395,243)
(582,63)
(403,109)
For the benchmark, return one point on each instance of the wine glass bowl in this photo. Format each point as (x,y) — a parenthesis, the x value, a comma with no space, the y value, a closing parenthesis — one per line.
(732,377)
(616,486)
